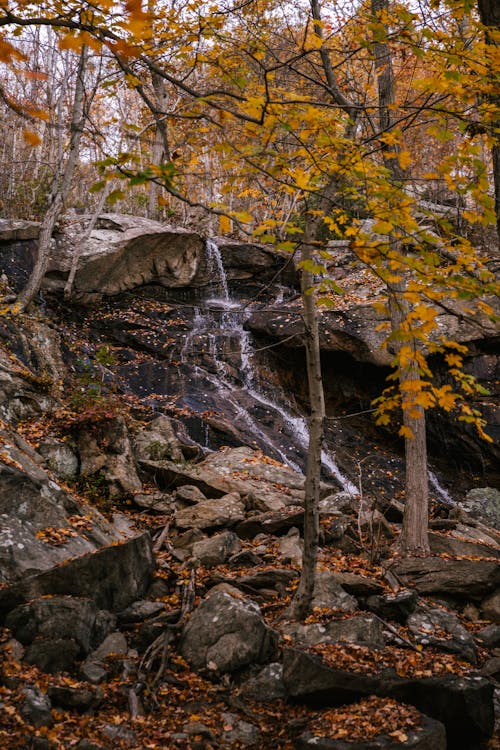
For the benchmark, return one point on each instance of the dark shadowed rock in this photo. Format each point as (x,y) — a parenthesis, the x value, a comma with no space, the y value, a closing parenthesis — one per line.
(113,577)
(225,634)
(468,579)
(74,698)
(363,629)
(265,684)
(36,708)
(52,618)
(431,735)
(436,627)
(395,607)
(463,704)
(490,607)
(53,656)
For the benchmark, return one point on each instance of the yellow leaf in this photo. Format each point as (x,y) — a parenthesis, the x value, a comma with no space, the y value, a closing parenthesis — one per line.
(404,158)
(405,432)
(225,224)
(382,227)
(32,138)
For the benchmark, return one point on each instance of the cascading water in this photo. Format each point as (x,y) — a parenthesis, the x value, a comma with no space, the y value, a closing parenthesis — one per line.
(220,327)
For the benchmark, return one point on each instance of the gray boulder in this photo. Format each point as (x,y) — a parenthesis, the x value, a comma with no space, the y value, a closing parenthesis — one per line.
(490,607)
(124,252)
(483,504)
(208,514)
(265,684)
(54,617)
(217,549)
(362,629)
(105,451)
(61,459)
(225,634)
(158,441)
(329,594)
(36,708)
(112,577)
(443,630)
(464,579)
(41,525)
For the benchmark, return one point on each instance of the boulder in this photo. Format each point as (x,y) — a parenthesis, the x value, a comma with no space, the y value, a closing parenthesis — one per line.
(329,594)
(41,525)
(268,485)
(464,579)
(60,457)
(237,732)
(273,522)
(265,684)
(290,548)
(363,629)
(209,514)
(54,617)
(490,607)
(274,580)
(395,607)
(225,634)
(430,735)
(36,708)
(217,549)
(124,252)
(113,577)
(483,504)
(105,451)
(74,698)
(358,585)
(443,630)
(463,704)
(158,441)
(12,230)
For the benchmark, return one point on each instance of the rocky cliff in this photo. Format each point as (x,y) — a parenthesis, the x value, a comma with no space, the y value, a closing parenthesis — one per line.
(151,508)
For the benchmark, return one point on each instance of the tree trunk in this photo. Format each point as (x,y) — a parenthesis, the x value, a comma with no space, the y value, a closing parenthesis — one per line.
(60,191)
(489,11)
(414,537)
(301,604)
(414,534)
(161,150)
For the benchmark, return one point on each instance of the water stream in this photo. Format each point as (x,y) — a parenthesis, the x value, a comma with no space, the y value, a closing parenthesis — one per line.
(221,351)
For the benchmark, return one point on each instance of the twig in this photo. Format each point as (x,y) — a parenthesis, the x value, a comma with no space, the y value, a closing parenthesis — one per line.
(397,633)
(161,539)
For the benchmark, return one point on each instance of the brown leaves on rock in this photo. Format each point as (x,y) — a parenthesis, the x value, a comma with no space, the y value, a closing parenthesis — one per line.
(366,720)
(353,658)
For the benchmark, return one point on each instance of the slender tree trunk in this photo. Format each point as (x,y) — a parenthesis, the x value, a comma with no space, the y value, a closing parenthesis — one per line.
(68,288)
(489,11)
(60,191)
(161,150)
(301,604)
(414,534)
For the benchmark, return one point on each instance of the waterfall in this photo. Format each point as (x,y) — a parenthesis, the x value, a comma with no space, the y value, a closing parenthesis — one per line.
(216,327)
(215,268)
(444,495)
